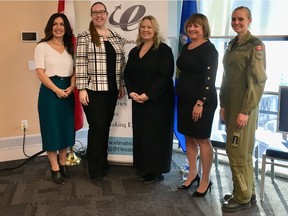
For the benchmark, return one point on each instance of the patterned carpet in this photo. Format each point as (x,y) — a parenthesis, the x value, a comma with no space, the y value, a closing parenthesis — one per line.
(29,190)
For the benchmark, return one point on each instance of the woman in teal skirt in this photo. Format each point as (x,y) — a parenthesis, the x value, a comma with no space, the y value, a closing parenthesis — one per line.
(54,67)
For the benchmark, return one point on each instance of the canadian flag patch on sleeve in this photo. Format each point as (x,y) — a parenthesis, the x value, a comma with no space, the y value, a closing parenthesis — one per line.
(258,47)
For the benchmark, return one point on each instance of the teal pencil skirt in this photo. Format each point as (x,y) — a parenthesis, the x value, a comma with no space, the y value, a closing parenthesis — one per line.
(56,116)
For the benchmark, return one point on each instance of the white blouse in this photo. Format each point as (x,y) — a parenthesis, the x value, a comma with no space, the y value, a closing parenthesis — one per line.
(53,62)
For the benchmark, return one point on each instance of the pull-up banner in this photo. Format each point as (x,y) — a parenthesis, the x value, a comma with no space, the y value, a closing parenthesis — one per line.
(124,17)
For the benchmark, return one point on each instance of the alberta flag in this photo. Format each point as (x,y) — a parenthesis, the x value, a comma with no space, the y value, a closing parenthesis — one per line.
(188,8)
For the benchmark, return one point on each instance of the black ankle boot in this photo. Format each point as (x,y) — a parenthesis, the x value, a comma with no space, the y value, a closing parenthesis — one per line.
(64,171)
(57,177)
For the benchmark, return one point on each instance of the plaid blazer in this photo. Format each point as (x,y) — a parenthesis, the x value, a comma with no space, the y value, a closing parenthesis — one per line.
(90,62)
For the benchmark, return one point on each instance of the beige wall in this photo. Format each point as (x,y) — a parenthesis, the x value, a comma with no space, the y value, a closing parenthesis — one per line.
(19,86)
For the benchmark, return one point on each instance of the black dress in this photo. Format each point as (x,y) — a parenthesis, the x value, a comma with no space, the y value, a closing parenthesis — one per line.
(153,120)
(197,82)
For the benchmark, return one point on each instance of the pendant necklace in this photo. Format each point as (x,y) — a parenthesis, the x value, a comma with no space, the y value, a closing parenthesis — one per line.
(57,44)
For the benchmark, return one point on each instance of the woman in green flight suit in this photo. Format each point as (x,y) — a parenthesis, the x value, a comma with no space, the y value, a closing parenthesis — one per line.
(241,90)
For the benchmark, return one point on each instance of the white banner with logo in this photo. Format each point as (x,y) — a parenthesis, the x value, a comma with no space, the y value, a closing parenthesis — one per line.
(124,17)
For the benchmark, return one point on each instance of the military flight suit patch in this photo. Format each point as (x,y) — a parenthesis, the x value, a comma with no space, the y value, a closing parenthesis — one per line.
(259,54)
(258,48)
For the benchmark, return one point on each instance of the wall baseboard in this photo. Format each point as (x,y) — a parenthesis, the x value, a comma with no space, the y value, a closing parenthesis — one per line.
(16,153)
(11,148)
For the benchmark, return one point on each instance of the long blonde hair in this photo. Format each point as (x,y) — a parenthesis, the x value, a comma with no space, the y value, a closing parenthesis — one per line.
(157,36)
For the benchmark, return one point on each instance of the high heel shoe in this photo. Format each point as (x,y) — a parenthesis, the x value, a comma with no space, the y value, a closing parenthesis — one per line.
(64,171)
(57,177)
(199,194)
(185,187)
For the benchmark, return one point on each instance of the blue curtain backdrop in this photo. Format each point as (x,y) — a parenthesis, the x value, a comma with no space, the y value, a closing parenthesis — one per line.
(188,8)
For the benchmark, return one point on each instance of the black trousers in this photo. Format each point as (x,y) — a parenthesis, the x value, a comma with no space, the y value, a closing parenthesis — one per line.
(99,114)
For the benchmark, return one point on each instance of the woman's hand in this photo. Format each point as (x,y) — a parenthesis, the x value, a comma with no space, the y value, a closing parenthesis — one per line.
(61,93)
(139,98)
(143,98)
(222,114)
(135,97)
(197,112)
(69,90)
(83,97)
(121,92)
(242,120)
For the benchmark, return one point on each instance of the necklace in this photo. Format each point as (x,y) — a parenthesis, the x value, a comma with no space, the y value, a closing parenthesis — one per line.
(57,44)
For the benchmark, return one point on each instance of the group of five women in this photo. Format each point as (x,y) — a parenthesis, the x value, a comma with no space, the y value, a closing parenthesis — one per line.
(101,74)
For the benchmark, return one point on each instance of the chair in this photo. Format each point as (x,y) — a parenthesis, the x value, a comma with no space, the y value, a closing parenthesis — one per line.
(218,145)
(277,152)
(218,141)
(273,154)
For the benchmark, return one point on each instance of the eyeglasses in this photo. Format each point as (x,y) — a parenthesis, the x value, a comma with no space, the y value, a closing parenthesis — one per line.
(101,13)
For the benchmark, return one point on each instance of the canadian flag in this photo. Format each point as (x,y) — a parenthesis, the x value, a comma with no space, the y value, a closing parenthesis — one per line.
(67,7)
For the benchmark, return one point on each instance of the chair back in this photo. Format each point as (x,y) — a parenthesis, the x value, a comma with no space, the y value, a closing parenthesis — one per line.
(282,120)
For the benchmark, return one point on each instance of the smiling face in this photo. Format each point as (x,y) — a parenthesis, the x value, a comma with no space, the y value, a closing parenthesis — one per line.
(146,30)
(58,29)
(240,21)
(99,15)
(195,31)
(197,27)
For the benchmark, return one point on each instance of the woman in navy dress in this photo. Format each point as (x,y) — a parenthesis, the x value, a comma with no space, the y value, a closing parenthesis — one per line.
(197,99)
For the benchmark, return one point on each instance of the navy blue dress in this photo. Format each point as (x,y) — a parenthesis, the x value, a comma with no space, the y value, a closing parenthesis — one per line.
(197,82)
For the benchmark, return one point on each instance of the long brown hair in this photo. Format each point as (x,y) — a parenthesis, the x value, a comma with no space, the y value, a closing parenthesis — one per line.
(68,36)
(95,38)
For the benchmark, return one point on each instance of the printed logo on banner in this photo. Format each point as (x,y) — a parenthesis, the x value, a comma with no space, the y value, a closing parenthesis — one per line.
(129,17)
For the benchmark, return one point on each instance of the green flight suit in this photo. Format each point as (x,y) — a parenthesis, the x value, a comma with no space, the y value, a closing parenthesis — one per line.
(241,90)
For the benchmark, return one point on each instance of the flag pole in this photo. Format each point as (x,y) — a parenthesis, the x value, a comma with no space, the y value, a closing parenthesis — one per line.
(188,7)
(67,8)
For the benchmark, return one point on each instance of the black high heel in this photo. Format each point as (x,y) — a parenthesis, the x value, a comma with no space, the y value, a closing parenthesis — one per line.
(57,177)
(198,194)
(64,171)
(185,187)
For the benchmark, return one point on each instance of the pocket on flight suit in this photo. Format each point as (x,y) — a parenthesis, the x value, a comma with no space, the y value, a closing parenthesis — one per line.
(237,146)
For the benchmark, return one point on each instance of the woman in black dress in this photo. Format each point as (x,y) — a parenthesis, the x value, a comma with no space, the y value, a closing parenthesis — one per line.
(148,79)
(197,99)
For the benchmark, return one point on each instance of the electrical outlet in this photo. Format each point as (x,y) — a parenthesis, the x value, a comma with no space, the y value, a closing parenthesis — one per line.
(24,125)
